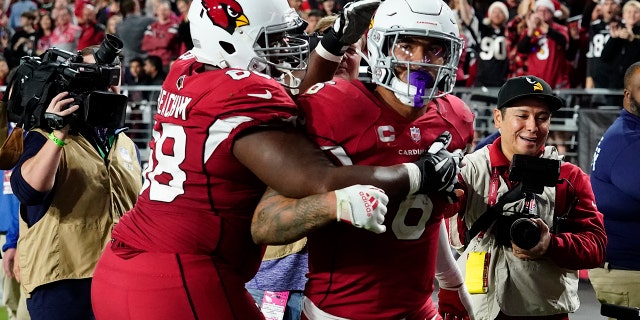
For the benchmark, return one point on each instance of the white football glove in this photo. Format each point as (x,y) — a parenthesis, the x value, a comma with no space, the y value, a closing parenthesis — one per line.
(363,206)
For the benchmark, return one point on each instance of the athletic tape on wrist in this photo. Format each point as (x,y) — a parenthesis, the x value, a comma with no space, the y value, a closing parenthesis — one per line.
(415,178)
(321,51)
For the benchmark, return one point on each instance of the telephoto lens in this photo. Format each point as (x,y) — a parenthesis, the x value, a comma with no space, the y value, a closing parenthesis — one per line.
(109,49)
(525,233)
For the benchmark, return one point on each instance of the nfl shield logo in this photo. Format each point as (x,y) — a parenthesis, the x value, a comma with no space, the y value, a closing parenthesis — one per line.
(415,134)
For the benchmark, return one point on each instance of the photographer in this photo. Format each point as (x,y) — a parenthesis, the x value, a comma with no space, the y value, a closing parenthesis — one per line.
(74,180)
(506,279)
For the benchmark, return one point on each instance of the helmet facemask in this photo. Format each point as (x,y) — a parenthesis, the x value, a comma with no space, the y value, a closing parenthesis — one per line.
(281,56)
(415,80)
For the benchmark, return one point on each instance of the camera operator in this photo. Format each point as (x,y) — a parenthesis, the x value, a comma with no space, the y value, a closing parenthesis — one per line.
(75,181)
(508,281)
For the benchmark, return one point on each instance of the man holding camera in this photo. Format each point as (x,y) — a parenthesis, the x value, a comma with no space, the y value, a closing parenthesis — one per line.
(74,180)
(507,277)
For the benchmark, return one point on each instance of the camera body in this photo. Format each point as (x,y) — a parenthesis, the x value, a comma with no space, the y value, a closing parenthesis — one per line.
(533,174)
(39,79)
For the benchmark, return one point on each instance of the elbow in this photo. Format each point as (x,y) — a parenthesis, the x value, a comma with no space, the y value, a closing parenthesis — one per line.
(258,235)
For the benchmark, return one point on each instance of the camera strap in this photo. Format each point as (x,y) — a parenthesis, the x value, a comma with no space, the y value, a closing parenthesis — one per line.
(495,206)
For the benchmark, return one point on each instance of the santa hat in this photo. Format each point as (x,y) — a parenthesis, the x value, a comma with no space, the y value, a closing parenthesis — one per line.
(552,5)
(80,5)
(500,5)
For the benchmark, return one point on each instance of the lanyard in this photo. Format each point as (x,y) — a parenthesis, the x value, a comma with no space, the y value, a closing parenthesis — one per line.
(494,183)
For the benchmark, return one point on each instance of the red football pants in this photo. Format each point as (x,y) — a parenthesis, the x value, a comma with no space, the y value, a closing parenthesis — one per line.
(168,286)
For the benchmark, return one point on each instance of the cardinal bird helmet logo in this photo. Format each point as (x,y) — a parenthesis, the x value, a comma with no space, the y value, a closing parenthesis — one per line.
(227,14)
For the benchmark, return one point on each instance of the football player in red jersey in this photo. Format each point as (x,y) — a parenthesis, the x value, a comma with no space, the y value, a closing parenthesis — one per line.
(354,274)
(223,130)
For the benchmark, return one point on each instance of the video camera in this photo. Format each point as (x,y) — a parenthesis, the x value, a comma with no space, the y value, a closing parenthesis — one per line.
(39,79)
(533,174)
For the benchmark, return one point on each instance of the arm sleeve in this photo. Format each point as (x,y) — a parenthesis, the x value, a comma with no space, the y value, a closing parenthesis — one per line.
(37,202)
(524,44)
(25,193)
(611,49)
(447,271)
(558,37)
(581,242)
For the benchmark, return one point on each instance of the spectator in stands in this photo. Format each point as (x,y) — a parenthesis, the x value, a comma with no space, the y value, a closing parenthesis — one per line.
(60,6)
(598,71)
(514,32)
(17,9)
(154,75)
(329,7)
(161,37)
(23,41)
(184,34)
(493,65)
(469,30)
(106,10)
(92,33)
(518,277)
(131,29)
(65,35)
(614,176)
(45,31)
(545,44)
(623,48)
(135,76)
(112,23)
(312,19)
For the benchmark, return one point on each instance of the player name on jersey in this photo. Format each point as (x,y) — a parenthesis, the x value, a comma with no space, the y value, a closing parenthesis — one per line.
(173,105)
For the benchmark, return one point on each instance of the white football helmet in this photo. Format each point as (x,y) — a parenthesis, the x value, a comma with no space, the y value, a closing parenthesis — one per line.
(397,20)
(249,35)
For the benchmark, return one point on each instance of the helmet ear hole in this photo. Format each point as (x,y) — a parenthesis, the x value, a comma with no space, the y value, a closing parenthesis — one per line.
(227,47)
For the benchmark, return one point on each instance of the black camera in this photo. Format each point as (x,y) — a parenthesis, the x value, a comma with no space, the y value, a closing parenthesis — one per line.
(532,174)
(39,79)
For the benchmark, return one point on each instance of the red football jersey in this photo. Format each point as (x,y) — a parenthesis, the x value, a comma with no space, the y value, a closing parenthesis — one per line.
(549,61)
(354,273)
(197,197)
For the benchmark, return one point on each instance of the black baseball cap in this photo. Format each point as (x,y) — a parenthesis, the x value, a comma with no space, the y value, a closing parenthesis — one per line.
(527,87)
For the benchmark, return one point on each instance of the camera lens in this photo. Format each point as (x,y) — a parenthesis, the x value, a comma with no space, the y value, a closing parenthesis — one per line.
(109,49)
(525,233)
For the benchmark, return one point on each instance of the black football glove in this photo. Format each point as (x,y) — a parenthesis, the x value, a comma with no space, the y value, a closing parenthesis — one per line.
(439,168)
(352,22)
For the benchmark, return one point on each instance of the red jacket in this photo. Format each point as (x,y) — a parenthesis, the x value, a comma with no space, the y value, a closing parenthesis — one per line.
(162,40)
